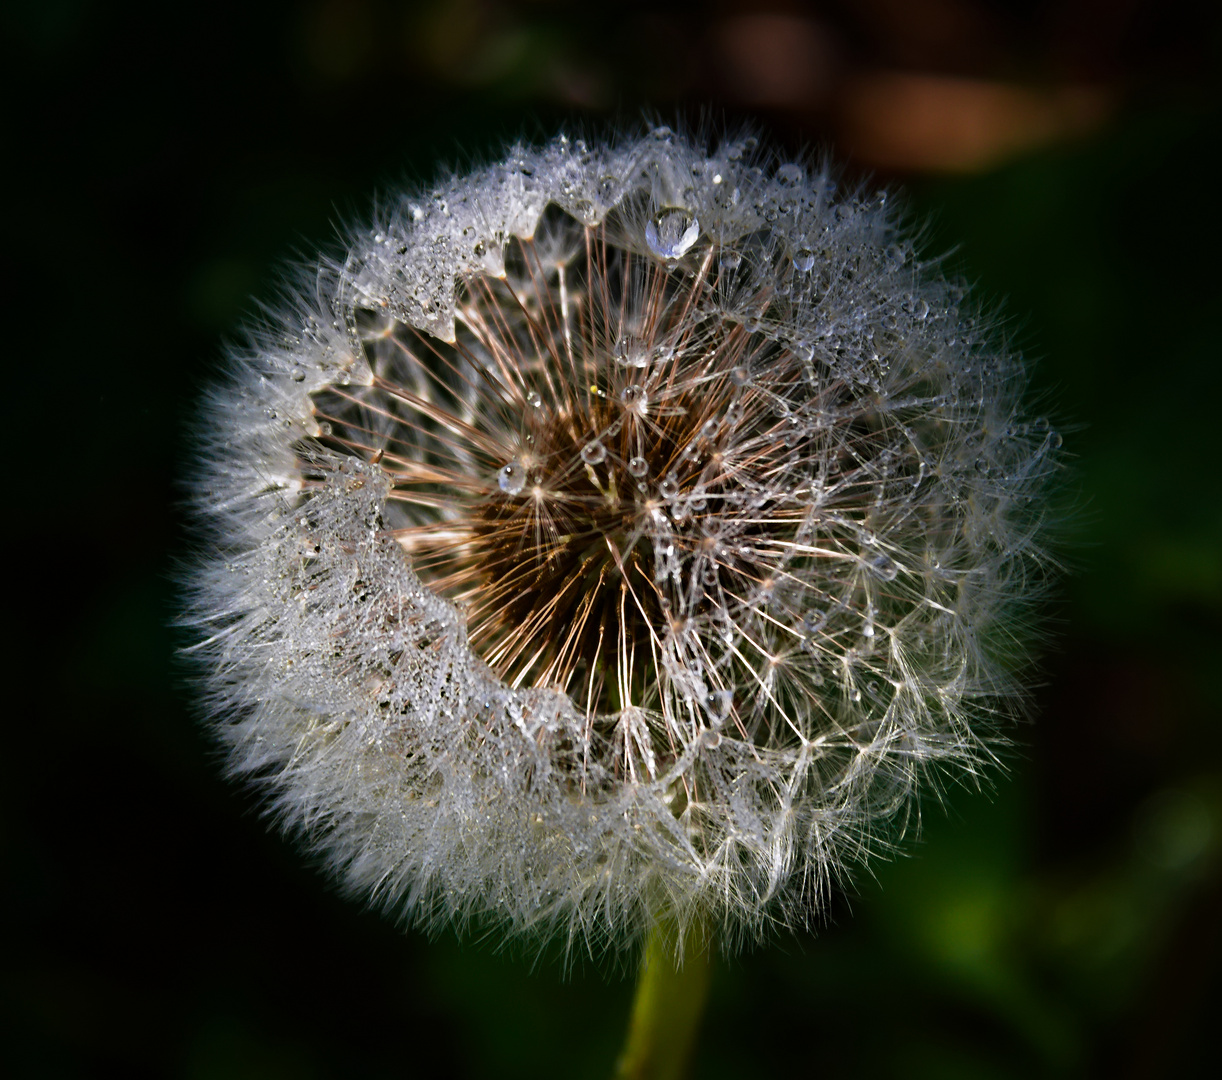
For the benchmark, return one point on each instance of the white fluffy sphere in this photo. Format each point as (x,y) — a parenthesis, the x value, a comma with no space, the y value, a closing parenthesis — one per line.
(621,530)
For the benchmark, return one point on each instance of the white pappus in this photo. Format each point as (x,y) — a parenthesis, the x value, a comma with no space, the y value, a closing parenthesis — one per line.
(622,530)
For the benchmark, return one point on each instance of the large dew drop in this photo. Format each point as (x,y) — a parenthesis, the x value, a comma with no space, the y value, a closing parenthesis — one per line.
(635,397)
(790,175)
(883,567)
(671,232)
(512,478)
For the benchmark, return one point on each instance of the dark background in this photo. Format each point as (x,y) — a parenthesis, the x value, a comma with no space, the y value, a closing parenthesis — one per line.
(171,157)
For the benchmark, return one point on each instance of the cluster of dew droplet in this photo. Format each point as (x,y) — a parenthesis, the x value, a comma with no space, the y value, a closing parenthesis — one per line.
(701,411)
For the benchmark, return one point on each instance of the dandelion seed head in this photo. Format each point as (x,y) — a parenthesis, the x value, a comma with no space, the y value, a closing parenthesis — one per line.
(620,529)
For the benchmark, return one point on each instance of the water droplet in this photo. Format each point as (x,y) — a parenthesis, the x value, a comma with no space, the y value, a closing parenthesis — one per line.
(790,175)
(297,374)
(593,452)
(638,466)
(729,259)
(883,566)
(533,399)
(855,695)
(709,739)
(814,621)
(480,249)
(634,397)
(803,259)
(668,488)
(663,134)
(512,478)
(324,429)
(671,232)
(718,705)
(631,353)
(740,375)
(1055,440)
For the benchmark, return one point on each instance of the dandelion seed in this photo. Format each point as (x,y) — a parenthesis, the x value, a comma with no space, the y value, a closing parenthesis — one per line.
(568,532)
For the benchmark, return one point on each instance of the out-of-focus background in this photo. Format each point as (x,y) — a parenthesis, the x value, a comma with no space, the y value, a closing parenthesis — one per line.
(171,157)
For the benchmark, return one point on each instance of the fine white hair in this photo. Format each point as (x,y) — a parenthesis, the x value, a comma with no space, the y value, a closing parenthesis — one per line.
(622,530)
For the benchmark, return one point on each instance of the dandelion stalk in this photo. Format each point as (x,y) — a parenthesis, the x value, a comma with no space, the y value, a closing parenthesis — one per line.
(670,994)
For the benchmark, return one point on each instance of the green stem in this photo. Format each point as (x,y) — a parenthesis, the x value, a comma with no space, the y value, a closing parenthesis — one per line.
(667,1007)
